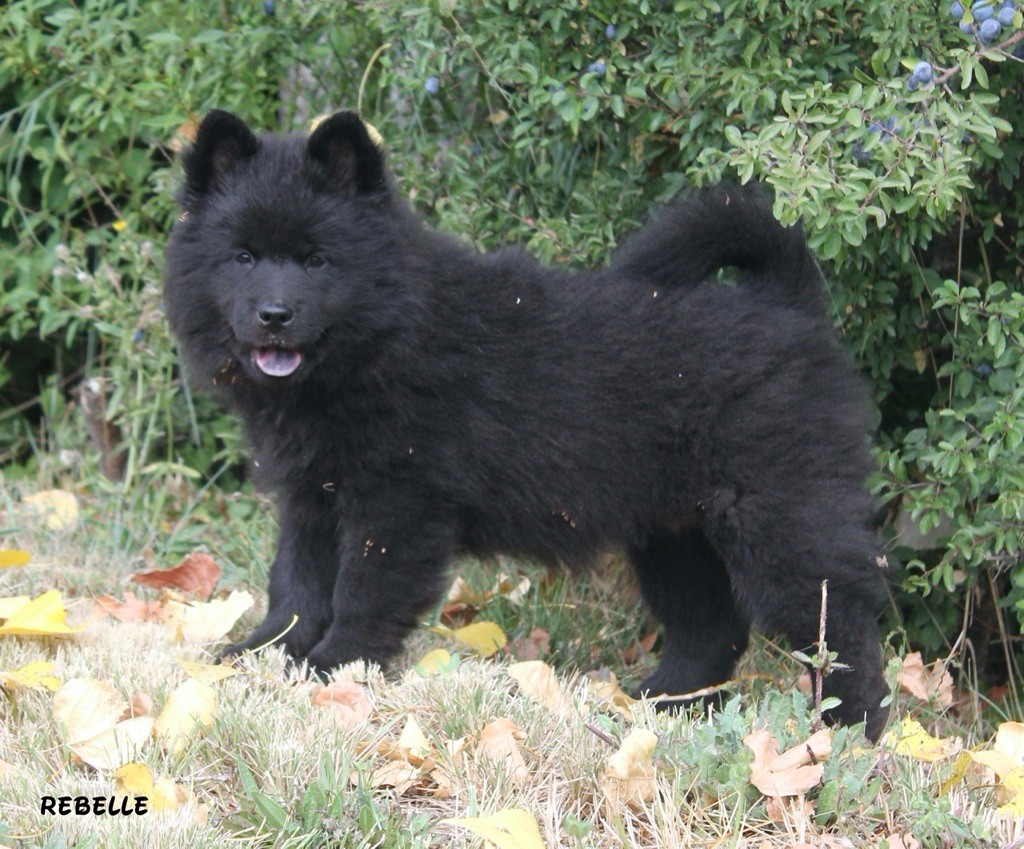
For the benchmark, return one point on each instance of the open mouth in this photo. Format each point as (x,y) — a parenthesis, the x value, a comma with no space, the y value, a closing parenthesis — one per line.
(275,361)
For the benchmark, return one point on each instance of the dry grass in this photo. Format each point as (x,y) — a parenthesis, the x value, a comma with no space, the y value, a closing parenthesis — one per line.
(324,774)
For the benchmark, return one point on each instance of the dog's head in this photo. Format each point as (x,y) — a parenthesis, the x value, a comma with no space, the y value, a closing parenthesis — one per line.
(284,254)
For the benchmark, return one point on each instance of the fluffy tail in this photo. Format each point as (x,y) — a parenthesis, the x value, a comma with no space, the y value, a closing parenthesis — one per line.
(718,227)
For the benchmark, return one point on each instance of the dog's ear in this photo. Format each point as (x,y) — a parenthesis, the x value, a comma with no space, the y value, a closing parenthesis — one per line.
(343,147)
(222,141)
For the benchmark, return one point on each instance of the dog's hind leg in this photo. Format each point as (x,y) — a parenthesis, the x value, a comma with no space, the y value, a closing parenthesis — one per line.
(686,586)
(778,552)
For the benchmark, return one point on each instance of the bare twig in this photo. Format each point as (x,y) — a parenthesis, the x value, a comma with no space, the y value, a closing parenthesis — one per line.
(821,668)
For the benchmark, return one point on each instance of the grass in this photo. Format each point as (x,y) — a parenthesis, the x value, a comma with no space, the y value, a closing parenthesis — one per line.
(275,769)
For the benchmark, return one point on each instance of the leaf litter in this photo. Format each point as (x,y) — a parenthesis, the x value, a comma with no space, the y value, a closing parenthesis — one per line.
(105,730)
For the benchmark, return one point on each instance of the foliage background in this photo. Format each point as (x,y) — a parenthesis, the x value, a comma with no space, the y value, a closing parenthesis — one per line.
(502,128)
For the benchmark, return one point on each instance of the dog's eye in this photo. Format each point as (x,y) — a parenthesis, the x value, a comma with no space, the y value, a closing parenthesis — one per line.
(315,261)
(244,258)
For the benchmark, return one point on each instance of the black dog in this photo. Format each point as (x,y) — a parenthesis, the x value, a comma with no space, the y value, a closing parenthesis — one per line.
(408,399)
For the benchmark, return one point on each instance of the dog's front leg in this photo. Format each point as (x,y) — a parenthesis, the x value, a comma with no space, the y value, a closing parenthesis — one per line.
(390,573)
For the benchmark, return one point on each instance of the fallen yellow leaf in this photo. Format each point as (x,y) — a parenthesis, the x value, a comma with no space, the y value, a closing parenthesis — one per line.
(512,828)
(610,695)
(1006,760)
(207,621)
(117,745)
(136,779)
(412,741)
(1012,794)
(629,777)
(58,508)
(88,712)
(86,707)
(434,662)
(484,638)
(190,707)
(538,680)
(910,740)
(43,616)
(10,557)
(208,673)
(12,604)
(1010,741)
(34,676)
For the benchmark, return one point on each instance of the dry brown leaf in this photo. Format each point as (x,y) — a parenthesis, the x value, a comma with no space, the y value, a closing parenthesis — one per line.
(408,764)
(189,709)
(141,705)
(450,774)
(640,649)
(533,647)
(400,775)
(347,699)
(498,742)
(132,609)
(197,574)
(462,592)
(629,777)
(927,683)
(538,680)
(792,773)
(902,840)
(513,588)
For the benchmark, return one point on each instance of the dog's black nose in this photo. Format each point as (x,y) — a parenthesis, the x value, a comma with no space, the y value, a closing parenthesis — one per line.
(274,313)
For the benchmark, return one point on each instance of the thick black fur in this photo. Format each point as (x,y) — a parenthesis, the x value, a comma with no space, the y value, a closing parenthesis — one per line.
(450,402)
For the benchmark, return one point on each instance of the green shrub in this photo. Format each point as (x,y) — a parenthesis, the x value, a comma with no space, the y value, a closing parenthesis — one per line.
(557,125)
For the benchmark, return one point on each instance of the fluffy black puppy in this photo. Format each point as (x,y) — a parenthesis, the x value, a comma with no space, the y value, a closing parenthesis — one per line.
(408,399)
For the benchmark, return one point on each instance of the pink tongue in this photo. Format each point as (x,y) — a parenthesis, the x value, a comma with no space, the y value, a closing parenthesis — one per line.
(276,362)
